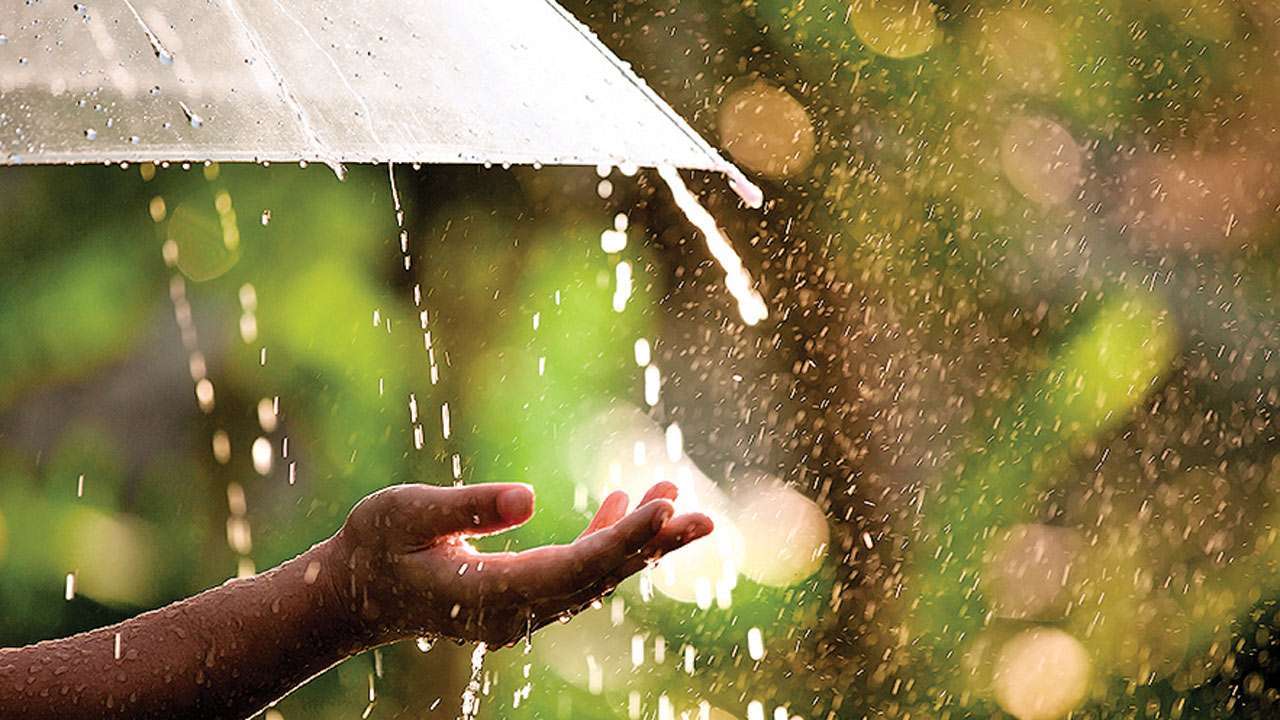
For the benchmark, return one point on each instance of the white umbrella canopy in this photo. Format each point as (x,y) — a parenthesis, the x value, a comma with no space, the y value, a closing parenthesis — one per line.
(333,81)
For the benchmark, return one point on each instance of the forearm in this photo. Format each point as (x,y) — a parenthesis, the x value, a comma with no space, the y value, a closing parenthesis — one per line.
(226,653)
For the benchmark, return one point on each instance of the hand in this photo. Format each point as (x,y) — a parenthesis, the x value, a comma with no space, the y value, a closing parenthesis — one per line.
(403,566)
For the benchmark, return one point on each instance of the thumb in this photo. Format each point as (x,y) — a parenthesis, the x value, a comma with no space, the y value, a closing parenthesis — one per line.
(426,512)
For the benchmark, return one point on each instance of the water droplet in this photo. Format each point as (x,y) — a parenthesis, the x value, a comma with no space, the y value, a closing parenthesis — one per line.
(91,134)
(195,120)
(755,643)
(262,455)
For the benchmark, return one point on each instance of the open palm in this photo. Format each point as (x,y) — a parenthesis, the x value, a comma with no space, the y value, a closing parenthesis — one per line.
(405,567)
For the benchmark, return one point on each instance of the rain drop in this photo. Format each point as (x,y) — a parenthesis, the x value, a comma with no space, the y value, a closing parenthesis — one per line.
(193,118)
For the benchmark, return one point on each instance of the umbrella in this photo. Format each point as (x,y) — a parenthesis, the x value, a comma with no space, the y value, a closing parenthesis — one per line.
(434,81)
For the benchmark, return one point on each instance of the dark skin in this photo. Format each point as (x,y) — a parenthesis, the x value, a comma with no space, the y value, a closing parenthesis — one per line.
(399,568)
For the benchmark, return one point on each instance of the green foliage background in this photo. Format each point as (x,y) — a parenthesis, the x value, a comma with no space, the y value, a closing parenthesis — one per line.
(945,359)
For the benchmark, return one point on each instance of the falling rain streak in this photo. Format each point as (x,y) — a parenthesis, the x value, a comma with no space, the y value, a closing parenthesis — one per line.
(455,458)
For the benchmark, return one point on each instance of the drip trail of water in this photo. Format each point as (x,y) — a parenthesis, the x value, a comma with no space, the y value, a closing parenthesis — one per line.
(750,304)
(471,696)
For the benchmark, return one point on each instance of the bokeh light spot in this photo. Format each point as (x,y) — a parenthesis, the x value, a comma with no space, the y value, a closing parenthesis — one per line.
(896,28)
(785,538)
(202,253)
(1042,160)
(113,556)
(705,572)
(1041,674)
(767,130)
(1022,50)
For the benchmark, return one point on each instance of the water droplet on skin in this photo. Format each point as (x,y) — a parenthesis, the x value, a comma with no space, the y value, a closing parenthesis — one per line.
(91,134)
(3,39)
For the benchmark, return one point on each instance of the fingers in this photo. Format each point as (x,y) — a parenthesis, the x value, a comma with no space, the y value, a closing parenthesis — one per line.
(561,577)
(615,505)
(678,532)
(675,533)
(562,570)
(597,554)
(425,512)
(611,510)
(662,489)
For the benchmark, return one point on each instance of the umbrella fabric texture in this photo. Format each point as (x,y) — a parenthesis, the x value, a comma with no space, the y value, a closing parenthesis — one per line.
(433,81)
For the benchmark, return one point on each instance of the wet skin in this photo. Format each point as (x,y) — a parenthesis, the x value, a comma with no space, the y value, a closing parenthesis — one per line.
(400,567)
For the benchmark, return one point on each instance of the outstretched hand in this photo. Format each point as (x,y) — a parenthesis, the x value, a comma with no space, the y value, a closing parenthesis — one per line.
(404,568)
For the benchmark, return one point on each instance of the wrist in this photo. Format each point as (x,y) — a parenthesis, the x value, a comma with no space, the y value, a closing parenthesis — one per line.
(328,569)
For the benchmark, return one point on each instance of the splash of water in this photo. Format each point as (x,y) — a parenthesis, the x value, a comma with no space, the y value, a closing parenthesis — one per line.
(750,304)
(471,696)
